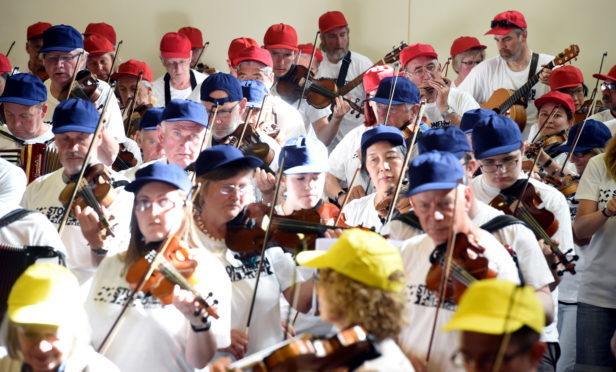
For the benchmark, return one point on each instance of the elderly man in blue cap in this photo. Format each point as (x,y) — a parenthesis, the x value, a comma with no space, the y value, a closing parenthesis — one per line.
(63,56)
(147,136)
(344,159)
(86,240)
(442,202)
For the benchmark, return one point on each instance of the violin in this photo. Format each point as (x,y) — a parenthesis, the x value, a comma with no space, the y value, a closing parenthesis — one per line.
(541,221)
(246,138)
(85,86)
(567,184)
(131,124)
(546,143)
(402,206)
(173,267)
(349,348)
(124,160)
(468,265)
(583,112)
(95,190)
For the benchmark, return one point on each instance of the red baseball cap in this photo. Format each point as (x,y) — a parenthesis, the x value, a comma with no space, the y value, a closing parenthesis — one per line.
(5,64)
(565,77)
(505,22)
(254,53)
(558,98)
(37,29)
(464,43)
(102,29)
(416,50)
(132,67)
(195,36)
(610,75)
(175,45)
(307,49)
(239,44)
(96,43)
(280,36)
(373,77)
(331,20)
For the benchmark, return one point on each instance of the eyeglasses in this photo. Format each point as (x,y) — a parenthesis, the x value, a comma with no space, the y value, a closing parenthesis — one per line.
(223,113)
(37,333)
(180,63)
(608,86)
(486,362)
(162,204)
(231,189)
(506,165)
(430,68)
(65,58)
(471,63)
(503,24)
(581,154)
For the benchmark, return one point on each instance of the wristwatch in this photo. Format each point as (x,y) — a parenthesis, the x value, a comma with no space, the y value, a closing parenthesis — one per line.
(448,112)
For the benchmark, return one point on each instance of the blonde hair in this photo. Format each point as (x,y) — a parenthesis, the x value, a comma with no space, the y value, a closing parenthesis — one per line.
(610,157)
(380,312)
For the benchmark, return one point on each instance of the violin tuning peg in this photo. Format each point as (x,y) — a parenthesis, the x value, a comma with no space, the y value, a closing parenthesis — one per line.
(197,312)
(560,272)
(215,302)
(575,258)
(204,319)
(210,295)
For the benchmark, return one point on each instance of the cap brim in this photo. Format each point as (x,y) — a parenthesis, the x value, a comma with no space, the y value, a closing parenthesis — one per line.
(482,324)
(73,128)
(385,101)
(280,46)
(570,85)
(20,101)
(306,169)
(497,151)
(57,49)
(315,258)
(391,137)
(137,184)
(604,77)
(202,123)
(333,27)
(432,186)
(239,60)
(249,160)
(50,314)
(500,31)
(174,55)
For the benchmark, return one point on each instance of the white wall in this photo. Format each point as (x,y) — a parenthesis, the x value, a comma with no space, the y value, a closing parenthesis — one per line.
(376,26)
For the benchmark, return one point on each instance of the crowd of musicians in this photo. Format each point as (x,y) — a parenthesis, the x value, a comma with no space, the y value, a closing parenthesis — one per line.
(212,220)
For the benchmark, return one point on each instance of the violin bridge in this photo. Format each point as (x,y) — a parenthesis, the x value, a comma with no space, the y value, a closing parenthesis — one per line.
(265,222)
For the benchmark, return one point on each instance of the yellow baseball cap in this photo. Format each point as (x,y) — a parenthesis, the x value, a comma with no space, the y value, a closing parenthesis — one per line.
(44,294)
(495,307)
(361,255)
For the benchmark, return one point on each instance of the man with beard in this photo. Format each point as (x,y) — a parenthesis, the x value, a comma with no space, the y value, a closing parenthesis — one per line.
(608,88)
(341,64)
(511,68)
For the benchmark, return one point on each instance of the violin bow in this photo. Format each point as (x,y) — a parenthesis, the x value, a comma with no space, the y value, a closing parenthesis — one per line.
(113,62)
(391,92)
(133,103)
(530,173)
(593,104)
(447,269)
(346,200)
(314,50)
(10,48)
(265,239)
(245,127)
(405,163)
(86,161)
(205,45)
(550,117)
(209,130)
(446,67)
(71,86)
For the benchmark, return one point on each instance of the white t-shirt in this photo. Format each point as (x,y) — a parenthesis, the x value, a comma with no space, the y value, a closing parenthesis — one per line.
(42,195)
(113,117)
(414,339)
(289,120)
(460,101)
(598,279)
(603,116)
(153,336)
(359,64)
(493,73)
(344,159)
(392,359)
(310,114)
(8,143)
(276,275)
(362,212)
(158,89)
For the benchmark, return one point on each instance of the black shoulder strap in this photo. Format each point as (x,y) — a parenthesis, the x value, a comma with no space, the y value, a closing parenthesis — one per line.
(344,69)
(13,216)
(193,80)
(167,89)
(500,222)
(409,218)
(12,137)
(533,67)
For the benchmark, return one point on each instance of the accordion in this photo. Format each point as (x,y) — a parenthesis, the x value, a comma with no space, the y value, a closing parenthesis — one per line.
(36,159)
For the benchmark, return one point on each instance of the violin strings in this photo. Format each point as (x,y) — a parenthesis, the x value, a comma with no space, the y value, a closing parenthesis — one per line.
(528,218)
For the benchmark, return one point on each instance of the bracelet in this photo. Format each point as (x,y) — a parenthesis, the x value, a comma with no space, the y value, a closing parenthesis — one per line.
(201,328)
(604,212)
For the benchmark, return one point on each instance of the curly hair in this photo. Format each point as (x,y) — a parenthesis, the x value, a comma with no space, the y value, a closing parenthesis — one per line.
(379,311)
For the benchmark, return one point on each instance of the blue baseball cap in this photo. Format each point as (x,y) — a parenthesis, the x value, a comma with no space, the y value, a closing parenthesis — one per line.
(24,89)
(75,115)
(496,135)
(434,170)
(222,155)
(594,135)
(61,38)
(254,91)
(304,155)
(448,139)
(185,110)
(381,133)
(225,82)
(172,174)
(406,91)
(474,116)
(151,118)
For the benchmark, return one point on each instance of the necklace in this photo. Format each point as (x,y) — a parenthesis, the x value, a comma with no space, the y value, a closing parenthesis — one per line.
(201,226)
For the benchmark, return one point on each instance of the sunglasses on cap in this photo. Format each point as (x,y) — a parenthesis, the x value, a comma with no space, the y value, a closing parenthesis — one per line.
(503,24)
(608,86)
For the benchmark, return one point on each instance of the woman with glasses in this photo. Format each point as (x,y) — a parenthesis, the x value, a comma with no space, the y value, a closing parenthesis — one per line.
(155,336)
(466,53)
(225,190)
(596,320)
